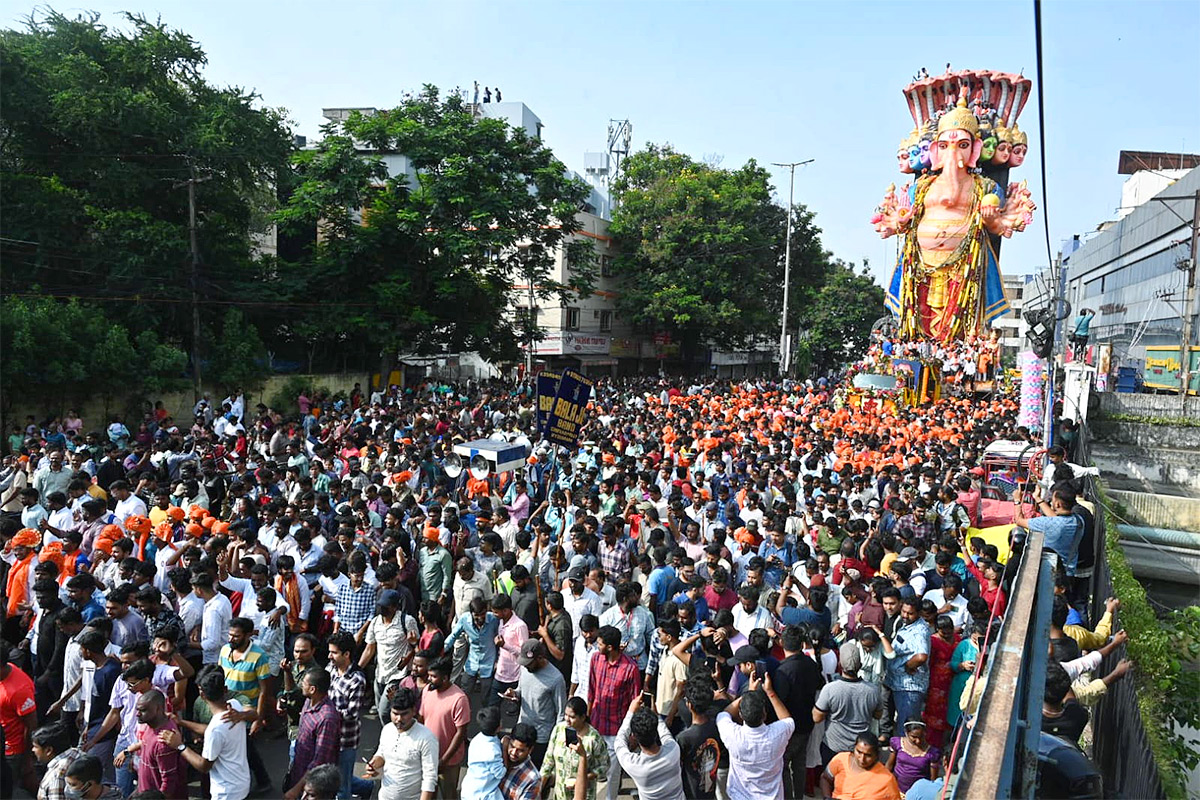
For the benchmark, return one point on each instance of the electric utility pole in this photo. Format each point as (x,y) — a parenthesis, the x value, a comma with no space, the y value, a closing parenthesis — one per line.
(787,262)
(194,275)
(1189,302)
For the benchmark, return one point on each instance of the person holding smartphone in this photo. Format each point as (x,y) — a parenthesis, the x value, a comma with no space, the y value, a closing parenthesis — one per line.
(572,738)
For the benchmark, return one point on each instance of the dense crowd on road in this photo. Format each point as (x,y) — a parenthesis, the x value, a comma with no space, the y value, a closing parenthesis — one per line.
(725,591)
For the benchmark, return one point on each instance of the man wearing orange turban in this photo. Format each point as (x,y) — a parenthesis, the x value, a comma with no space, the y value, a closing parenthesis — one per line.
(20,557)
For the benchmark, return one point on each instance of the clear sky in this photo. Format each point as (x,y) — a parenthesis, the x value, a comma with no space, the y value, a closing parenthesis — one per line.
(773,81)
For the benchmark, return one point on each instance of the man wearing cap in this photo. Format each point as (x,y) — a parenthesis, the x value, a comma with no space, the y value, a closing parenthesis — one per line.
(390,641)
(579,599)
(846,705)
(542,692)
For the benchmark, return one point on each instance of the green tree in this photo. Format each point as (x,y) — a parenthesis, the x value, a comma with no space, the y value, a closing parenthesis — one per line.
(698,248)
(59,352)
(702,257)
(237,357)
(100,127)
(427,258)
(835,323)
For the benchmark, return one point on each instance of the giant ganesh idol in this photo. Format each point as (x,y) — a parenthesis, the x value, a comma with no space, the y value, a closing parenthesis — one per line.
(947,284)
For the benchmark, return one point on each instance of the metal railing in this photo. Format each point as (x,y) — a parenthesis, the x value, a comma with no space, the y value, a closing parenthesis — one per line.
(1001,747)
(1120,746)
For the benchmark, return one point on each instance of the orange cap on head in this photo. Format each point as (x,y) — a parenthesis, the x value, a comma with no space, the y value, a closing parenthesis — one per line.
(26,537)
(194,529)
(219,527)
(432,534)
(112,532)
(103,545)
(208,522)
(176,513)
(164,530)
(197,513)
(138,524)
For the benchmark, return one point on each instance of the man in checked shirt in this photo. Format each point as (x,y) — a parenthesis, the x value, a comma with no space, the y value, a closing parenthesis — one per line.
(348,691)
(319,739)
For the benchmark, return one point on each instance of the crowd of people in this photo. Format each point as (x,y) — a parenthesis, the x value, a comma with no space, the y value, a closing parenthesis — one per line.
(725,591)
(963,364)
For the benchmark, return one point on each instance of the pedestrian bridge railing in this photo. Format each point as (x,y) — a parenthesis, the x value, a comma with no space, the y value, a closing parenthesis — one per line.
(997,752)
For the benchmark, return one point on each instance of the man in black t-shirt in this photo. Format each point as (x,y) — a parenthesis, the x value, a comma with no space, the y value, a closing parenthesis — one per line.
(797,682)
(701,751)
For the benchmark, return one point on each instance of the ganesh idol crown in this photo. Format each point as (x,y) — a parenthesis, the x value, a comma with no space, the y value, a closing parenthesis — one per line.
(965,141)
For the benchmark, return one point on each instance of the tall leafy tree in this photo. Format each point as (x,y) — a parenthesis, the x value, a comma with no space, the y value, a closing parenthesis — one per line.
(100,128)
(238,360)
(57,352)
(428,257)
(697,248)
(835,324)
(702,258)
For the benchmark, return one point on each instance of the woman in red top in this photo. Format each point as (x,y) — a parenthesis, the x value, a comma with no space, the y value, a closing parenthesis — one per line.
(989,582)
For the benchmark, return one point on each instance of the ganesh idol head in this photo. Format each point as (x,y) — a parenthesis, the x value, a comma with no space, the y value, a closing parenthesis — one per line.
(1020,146)
(957,144)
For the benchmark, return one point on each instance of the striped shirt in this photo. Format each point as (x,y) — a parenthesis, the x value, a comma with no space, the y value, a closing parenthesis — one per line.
(244,676)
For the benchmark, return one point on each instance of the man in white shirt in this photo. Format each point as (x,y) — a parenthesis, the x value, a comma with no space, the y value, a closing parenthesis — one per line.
(390,637)
(748,614)
(223,756)
(407,753)
(579,599)
(469,584)
(189,604)
(755,749)
(128,503)
(950,601)
(218,613)
(581,657)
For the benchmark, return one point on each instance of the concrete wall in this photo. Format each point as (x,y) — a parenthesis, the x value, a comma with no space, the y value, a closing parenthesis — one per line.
(1149,405)
(1160,510)
(1131,466)
(96,410)
(1150,437)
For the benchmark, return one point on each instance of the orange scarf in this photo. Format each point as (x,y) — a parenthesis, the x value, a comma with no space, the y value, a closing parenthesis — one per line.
(291,594)
(70,568)
(18,585)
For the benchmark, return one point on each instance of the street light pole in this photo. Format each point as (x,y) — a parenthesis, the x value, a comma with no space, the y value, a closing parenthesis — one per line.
(787,261)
